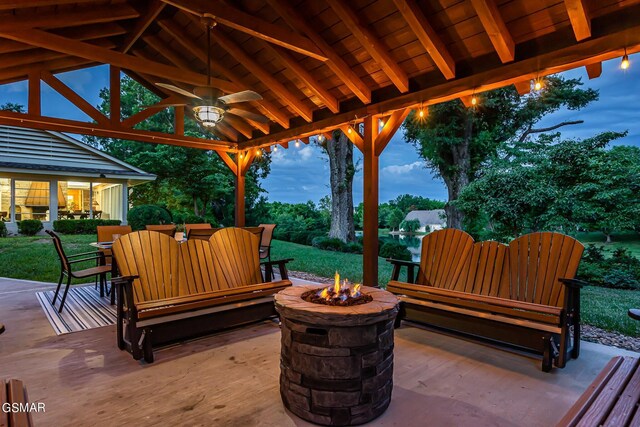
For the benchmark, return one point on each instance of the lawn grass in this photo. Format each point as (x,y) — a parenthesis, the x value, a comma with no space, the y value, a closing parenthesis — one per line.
(34,258)
(629,241)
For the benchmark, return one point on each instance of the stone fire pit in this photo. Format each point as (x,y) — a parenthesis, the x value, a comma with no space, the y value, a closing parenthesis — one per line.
(336,364)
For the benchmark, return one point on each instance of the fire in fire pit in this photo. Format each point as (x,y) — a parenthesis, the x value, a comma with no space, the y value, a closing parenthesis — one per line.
(338,294)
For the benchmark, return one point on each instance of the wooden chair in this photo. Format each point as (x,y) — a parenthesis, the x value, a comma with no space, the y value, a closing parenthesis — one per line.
(168,229)
(265,243)
(204,234)
(66,264)
(189,227)
(105,233)
(14,392)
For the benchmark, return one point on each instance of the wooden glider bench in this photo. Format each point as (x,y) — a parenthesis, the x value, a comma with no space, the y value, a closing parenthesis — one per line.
(523,295)
(612,399)
(170,292)
(13,400)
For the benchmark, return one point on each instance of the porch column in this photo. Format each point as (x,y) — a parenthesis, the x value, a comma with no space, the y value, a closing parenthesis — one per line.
(53,201)
(239,202)
(370,195)
(239,166)
(125,202)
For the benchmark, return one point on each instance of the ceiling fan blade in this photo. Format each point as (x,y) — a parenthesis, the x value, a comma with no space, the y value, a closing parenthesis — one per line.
(244,96)
(175,104)
(248,115)
(178,90)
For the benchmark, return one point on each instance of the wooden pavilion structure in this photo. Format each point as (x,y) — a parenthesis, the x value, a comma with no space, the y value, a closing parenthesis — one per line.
(320,65)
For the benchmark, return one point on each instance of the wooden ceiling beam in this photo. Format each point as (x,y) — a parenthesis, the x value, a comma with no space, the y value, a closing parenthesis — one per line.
(57,43)
(305,76)
(15,74)
(152,12)
(579,18)
(149,111)
(240,125)
(228,131)
(371,44)
(427,36)
(619,33)
(23,4)
(238,20)
(165,51)
(80,16)
(335,62)
(266,107)
(41,55)
(496,29)
(92,32)
(110,131)
(594,70)
(64,90)
(258,70)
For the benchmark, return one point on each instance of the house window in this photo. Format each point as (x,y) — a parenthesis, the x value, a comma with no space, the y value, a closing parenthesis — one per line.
(108,199)
(5,199)
(32,200)
(74,200)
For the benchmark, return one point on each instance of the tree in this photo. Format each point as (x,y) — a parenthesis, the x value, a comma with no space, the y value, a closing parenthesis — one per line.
(456,141)
(188,178)
(341,167)
(10,106)
(395,218)
(550,184)
(410,226)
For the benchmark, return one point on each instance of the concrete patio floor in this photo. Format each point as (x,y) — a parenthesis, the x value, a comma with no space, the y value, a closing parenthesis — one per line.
(231,378)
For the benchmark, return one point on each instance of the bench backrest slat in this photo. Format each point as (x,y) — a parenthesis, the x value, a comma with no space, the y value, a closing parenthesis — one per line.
(153,257)
(484,271)
(537,261)
(236,257)
(444,253)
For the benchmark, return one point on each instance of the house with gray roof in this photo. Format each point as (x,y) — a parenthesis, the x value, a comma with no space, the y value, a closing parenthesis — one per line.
(48,175)
(431,220)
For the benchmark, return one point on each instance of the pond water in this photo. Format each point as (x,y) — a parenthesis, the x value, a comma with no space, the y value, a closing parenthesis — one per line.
(413,243)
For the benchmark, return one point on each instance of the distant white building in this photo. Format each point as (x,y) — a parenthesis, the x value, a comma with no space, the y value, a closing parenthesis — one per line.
(432,220)
(48,175)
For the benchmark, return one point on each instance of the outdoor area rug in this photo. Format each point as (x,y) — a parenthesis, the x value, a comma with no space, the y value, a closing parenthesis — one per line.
(83,309)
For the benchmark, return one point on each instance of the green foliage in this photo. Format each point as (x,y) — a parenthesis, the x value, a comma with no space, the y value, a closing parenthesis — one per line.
(395,250)
(81,226)
(395,218)
(13,107)
(299,222)
(550,184)
(337,245)
(410,226)
(30,227)
(620,270)
(140,216)
(3,229)
(187,178)
(388,216)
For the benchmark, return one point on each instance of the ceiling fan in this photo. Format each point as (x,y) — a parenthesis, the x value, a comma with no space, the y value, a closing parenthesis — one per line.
(210,104)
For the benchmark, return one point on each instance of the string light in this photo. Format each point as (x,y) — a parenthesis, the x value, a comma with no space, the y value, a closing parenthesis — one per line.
(625,60)
(349,130)
(258,152)
(381,123)
(320,138)
(297,144)
(275,148)
(474,100)
(537,85)
(421,113)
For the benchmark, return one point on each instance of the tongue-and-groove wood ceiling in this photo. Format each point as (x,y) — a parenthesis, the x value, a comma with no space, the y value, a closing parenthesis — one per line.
(317,63)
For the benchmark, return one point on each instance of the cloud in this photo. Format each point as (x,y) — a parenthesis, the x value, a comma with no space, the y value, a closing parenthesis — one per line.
(305,153)
(403,169)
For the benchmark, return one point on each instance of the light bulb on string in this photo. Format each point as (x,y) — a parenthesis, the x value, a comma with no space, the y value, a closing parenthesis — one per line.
(275,148)
(421,113)
(625,60)
(297,144)
(474,100)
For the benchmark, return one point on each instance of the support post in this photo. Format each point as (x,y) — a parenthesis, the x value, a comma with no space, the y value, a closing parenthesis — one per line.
(114,95)
(179,121)
(34,93)
(370,194)
(240,203)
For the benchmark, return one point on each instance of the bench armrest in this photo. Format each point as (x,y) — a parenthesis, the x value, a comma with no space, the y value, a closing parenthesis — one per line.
(574,283)
(124,287)
(397,266)
(282,268)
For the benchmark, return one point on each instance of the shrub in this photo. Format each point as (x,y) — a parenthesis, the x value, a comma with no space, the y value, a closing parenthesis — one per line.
(30,227)
(354,247)
(143,215)
(621,270)
(3,229)
(395,250)
(329,244)
(81,226)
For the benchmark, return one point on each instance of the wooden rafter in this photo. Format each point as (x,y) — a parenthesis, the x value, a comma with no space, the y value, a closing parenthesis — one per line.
(80,16)
(92,32)
(253,25)
(114,95)
(427,36)
(228,131)
(240,125)
(16,4)
(579,17)
(173,57)
(258,70)
(353,135)
(305,76)
(371,44)
(14,74)
(391,126)
(335,62)
(152,12)
(199,52)
(85,50)
(624,35)
(496,28)
(149,111)
(110,131)
(73,97)
(38,55)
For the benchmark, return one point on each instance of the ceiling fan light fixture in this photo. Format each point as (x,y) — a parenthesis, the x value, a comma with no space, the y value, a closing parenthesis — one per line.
(208,115)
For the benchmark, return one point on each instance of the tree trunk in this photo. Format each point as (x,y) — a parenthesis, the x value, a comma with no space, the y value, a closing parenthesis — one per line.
(458,177)
(342,170)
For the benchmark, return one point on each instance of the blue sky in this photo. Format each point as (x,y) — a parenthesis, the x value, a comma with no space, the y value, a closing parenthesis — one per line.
(301,174)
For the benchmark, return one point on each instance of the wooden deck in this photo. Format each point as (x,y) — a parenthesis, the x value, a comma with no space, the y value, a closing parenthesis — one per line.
(231,379)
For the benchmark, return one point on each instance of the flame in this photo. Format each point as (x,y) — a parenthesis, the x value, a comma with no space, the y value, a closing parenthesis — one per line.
(356,289)
(336,283)
(325,293)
